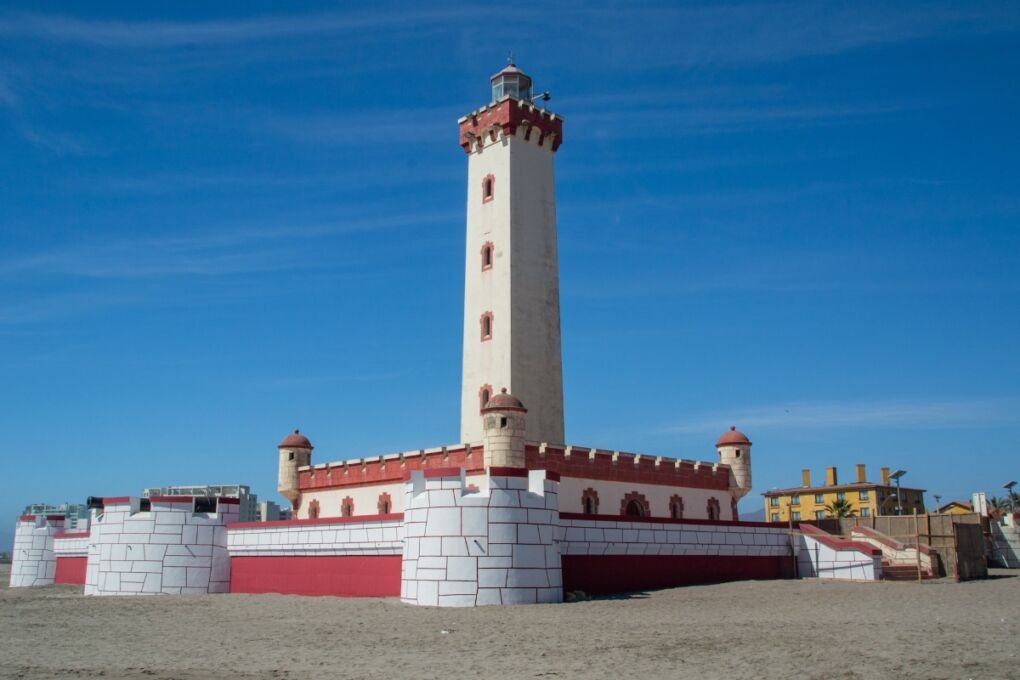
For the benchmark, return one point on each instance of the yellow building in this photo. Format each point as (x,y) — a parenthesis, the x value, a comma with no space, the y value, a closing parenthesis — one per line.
(955,508)
(866,499)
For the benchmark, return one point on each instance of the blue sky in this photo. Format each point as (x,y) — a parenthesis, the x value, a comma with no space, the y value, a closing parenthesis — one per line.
(220,222)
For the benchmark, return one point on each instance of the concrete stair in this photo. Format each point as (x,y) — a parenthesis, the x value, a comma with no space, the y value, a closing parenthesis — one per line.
(902,572)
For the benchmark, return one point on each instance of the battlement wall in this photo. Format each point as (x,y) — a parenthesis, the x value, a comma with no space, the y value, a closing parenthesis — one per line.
(339,556)
(620,466)
(33,561)
(388,468)
(568,461)
(505,117)
(168,548)
(465,546)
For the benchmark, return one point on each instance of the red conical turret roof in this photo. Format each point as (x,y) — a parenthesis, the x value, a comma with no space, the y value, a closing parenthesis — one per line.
(296,441)
(732,438)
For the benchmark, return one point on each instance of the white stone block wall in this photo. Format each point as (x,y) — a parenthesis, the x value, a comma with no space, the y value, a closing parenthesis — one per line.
(73,546)
(1005,543)
(819,557)
(168,549)
(323,537)
(33,562)
(464,547)
(622,537)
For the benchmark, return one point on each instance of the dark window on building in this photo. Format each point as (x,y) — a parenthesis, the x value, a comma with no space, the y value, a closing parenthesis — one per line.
(205,504)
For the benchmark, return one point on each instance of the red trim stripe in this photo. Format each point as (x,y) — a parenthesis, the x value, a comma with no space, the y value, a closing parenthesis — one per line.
(443,472)
(508,472)
(395,516)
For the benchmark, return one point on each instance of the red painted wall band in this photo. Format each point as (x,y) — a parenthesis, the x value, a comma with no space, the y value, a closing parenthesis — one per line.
(81,534)
(431,473)
(507,472)
(71,570)
(342,576)
(607,574)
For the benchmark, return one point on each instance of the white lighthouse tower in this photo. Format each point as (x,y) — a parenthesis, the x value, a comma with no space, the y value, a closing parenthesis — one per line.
(511,288)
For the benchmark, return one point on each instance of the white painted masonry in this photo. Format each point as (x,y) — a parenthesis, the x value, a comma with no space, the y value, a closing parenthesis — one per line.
(465,548)
(609,537)
(168,549)
(373,537)
(521,289)
(75,546)
(33,562)
(819,557)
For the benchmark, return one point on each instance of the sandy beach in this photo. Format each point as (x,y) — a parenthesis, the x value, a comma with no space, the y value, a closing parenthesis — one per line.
(759,629)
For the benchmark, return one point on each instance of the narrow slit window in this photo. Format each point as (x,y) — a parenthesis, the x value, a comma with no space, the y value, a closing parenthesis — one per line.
(488,188)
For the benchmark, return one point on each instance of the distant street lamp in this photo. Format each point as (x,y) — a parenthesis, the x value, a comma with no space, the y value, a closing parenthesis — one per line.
(899,495)
(938,502)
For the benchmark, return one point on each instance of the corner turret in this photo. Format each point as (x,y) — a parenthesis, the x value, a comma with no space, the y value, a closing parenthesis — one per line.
(295,452)
(734,449)
(503,423)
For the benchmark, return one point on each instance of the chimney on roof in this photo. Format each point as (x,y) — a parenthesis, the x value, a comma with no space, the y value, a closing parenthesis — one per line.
(862,475)
(885,475)
(830,476)
(805,477)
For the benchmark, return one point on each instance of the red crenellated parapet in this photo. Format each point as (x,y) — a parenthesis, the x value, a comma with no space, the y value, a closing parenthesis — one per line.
(507,116)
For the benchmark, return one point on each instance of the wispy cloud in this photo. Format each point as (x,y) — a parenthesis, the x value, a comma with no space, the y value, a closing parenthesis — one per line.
(241,180)
(167,34)
(423,125)
(217,253)
(313,380)
(31,309)
(701,120)
(54,141)
(728,33)
(857,414)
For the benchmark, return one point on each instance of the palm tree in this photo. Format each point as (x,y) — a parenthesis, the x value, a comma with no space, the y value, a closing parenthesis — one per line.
(997,507)
(840,508)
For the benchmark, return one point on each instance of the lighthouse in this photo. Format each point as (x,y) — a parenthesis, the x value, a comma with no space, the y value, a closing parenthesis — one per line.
(511,272)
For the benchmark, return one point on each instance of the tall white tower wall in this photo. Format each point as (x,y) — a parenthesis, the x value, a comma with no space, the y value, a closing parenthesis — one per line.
(521,289)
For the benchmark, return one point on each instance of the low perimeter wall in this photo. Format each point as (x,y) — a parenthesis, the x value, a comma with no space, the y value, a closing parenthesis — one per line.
(339,556)
(608,554)
(72,553)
